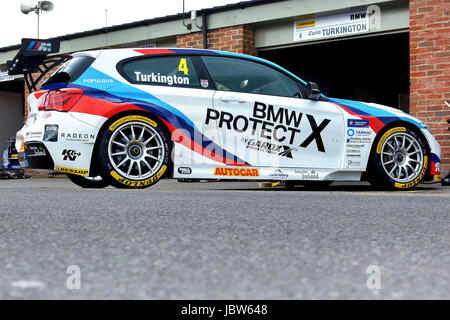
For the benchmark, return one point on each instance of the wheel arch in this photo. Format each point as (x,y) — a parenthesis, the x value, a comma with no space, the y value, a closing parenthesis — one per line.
(391,125)
(93,165)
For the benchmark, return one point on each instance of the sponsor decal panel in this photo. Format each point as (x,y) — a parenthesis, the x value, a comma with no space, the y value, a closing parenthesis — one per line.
(277,124)
(35,151)
(51,133)
(353,163)
(70,154)
(184,170)
(132,118)
(358,137)
(359,140)
(98,80)
(33,134)
(386,135)
(204,83)
(160,78)
(133,183)
(357,123)
(435,165)
(80,172)
(281,150)
(236,172)
(82,137)
(308,175)
(279,174)
(417,180)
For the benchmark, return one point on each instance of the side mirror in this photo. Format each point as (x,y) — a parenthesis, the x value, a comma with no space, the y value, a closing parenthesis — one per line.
(312,91)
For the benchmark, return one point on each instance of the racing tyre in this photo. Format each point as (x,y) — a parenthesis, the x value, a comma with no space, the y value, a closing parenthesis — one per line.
(88,182)
(400,160)
(133,152)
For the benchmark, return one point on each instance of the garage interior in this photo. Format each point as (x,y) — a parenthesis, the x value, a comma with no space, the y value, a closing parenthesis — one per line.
(11,110)
(369,69)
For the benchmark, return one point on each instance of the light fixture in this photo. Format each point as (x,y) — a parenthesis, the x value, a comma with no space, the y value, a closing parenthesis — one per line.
(37,8)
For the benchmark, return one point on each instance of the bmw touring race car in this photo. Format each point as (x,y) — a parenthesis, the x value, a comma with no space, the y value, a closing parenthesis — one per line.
(128,117)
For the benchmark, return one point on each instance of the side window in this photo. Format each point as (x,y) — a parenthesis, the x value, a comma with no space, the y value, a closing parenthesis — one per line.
(175,71)
(241,75)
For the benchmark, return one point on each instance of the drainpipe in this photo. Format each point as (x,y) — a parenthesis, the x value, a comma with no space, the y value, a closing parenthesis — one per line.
(204,30)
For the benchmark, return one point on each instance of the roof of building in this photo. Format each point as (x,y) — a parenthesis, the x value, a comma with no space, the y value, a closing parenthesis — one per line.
(146,22)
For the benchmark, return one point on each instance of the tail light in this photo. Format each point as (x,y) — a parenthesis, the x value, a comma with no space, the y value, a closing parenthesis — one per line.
(60,99)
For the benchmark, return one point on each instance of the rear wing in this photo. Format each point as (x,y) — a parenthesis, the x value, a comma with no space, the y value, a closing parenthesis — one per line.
(33,57)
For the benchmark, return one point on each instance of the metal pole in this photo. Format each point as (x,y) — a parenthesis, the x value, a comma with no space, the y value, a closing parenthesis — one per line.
(204,30)
(106,27)
(38,21)
(37,12)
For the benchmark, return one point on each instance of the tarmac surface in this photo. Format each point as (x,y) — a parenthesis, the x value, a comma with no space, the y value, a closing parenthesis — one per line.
(222,240)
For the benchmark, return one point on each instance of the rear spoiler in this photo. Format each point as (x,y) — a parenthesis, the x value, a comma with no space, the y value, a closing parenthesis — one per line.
(33,58)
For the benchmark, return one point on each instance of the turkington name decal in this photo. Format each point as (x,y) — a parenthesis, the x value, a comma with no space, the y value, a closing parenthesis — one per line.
(160,78)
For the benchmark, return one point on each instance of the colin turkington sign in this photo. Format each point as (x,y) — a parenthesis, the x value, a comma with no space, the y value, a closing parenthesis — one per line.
(314,28)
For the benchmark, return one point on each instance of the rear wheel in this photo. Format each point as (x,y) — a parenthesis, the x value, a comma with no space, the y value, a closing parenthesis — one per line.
(134,152)
(400,160)
(88,182)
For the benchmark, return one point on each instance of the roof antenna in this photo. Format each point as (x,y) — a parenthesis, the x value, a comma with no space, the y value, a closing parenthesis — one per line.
(106,27)
(189,25)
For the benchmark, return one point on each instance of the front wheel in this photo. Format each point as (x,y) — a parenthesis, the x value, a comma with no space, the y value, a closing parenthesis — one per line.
(400,160)
(133,152)
(88,182)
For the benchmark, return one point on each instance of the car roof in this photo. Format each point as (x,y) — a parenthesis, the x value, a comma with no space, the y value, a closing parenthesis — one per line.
(123,53)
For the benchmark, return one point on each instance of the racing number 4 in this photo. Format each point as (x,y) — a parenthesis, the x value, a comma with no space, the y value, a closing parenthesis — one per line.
(183,66)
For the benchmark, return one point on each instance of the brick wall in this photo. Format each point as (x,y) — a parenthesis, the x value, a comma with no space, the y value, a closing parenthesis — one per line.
(239,39)
(430,69)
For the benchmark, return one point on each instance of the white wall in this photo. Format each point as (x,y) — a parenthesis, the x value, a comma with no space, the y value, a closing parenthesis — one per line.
(11,116)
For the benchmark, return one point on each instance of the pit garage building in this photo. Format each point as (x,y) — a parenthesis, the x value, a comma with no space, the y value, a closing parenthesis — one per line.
(392,52)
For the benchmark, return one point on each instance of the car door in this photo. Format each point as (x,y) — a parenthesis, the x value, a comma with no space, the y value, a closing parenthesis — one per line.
(263,117)
(179,88)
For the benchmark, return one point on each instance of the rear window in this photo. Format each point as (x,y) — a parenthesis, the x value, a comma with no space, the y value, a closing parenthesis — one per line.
(70,70)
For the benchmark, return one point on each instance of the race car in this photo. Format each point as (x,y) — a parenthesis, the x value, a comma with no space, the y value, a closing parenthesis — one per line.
(129,117)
